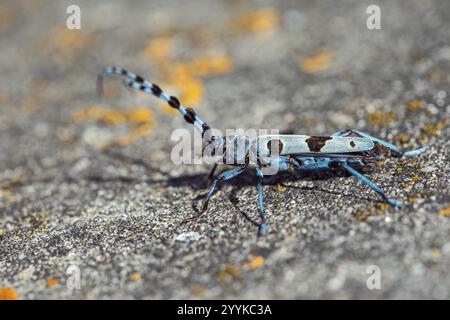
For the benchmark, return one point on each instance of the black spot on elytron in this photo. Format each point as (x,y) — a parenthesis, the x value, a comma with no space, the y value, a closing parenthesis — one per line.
(139,79)
(143,87)
(273,144)
(352,144)
(174,102)
(156,89)
(315,143)
(123,72)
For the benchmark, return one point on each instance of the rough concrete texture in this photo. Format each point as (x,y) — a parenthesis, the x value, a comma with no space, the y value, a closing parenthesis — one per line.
(71,197)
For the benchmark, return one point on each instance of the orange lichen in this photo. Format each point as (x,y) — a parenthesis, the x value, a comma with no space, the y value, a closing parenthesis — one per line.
(255,262)
(318,61)
(99,113)
(360,216)
(52,282)
(109,115)
(8,293)
(432,129)
(140,117)
(279,187)
(262,20)
(445,212)
(6,195)
(414,104)
(403,138)
(39,221)
(196,290)
(69,42)
(135,276)
(212,64)
(188,88)
(377,118)
(139,114)
(227,272)
(132,136)
(158,49)
(184,77)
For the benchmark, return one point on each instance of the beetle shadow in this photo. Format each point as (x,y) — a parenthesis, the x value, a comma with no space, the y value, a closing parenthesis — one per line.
(248,178)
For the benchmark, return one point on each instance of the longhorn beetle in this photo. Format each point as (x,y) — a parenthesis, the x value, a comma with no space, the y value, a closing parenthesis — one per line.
(347,150)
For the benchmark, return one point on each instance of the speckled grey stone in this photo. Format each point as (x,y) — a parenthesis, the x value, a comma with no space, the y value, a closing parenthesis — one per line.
(117,214)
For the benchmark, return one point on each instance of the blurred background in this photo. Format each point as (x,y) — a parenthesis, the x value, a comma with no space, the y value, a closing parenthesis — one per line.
(88,181)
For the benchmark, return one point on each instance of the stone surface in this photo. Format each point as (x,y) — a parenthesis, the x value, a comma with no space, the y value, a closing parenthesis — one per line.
(307,67)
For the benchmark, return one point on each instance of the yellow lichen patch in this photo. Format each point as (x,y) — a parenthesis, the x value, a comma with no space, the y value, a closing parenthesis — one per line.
(262,20)
(378,209)
(227,272)
(184,77)
(6,16)
(360,216)
(6,195)
(158,50)
(381,162)
(69,42)
(39,221)
(378,118)
(407,184)
(445,212)
(415,104)
(403,138)
(318,61)
(52,282)
(255,262)
(196,290)
(189,89)
(140,117)
(139,114)
(206,65)
(279,187)
(433,128)
(8,293)
(132,136)
(99,113)
(135,276)
(108,115)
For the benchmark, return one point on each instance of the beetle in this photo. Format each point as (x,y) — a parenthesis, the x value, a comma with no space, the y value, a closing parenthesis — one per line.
(350,151)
